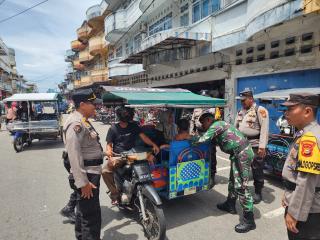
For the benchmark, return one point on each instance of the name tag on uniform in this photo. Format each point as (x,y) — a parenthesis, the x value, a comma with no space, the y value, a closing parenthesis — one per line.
(309,154)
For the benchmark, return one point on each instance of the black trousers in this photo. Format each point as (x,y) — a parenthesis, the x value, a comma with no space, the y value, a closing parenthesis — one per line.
(73,196)
(88,213)
(213,160)
(257,171)
(308,230)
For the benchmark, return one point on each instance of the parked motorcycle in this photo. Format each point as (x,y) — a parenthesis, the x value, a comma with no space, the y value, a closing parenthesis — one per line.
(134,180)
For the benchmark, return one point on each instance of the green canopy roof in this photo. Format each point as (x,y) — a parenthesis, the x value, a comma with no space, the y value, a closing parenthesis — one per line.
(157,96)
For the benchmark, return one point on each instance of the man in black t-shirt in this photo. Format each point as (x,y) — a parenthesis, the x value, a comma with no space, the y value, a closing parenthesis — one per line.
(121,137)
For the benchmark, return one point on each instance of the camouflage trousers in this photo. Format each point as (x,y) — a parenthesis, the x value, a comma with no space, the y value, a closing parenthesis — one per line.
(239,178)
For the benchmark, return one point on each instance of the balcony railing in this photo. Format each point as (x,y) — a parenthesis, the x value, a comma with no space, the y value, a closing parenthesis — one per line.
(84,56)
(99,75)
(94,12)
(119,22)
(119,69)
(77,65)
(69,55)
(86,79)
(84,32)
(97,45)
(76,45)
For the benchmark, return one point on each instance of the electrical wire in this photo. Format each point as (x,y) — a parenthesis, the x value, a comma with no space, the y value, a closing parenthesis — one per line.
(19,13)
(2,2)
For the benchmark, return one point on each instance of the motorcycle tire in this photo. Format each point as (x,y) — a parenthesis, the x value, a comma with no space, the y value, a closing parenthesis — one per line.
(155,227)
(18,144)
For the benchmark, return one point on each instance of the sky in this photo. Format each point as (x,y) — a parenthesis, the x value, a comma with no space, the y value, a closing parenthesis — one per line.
(41,36)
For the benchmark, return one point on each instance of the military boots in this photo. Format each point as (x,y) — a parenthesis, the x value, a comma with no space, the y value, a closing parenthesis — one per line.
(248,223)
(228,206)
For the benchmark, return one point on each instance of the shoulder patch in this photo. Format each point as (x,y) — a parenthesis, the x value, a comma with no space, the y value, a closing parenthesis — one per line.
(77,128)
(263,113)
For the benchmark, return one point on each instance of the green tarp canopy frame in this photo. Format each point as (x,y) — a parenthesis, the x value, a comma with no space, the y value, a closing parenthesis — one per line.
(157,97)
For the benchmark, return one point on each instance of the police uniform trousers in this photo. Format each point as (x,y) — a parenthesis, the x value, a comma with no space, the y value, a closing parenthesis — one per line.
(308,230)
(257,170)
(73,196)
(88,213)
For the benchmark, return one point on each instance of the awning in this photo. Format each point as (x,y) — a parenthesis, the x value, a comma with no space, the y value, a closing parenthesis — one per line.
(32,97)
(161,97)
(284,94)
(166,40)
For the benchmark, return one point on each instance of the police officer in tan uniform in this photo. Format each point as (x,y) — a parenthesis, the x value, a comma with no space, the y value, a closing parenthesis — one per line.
(253,121)
(301,171)
(86,156)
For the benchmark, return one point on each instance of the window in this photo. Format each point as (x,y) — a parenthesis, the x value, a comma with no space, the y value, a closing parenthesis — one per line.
(119,52)
(239,52)
(290,40)
(275,44)
(184,8)
(127,48)
(249,50)
(307,36)
(306,49)
(110,56)
(184,20)
(137,41)
(196,12)
(164,23)
(203,8)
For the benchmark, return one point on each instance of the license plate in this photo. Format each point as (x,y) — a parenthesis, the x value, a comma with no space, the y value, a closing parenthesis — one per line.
(190,191)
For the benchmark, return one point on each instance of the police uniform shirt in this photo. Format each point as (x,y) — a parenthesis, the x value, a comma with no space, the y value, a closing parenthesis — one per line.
(252,123)
(304,199)
(81,144)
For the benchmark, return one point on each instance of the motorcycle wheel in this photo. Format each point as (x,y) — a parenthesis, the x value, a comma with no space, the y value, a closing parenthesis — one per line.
(18,144)
(155,226)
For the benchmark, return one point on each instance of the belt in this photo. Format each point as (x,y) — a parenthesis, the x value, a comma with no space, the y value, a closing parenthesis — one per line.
(92,162)
(253,137)
(292,186)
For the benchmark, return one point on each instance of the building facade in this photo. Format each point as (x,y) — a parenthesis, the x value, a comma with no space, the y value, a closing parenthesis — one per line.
(221,46)
(10,80)
(87,58)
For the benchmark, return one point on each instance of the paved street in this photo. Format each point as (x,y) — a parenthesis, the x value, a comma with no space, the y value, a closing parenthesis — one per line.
(34,188)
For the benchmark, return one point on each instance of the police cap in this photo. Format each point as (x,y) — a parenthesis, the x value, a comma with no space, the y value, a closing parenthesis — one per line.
(85,95)
(303,98)
(245,93)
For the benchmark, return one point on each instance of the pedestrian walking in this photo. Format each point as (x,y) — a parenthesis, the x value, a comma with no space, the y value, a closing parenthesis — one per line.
(86,156)
(253,121)
(301,171)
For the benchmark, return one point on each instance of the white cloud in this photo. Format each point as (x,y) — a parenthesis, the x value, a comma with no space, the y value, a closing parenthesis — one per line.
(41,36)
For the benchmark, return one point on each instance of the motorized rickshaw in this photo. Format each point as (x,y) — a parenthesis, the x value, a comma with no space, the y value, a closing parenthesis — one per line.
(41,119)
(182,169)
(281,133)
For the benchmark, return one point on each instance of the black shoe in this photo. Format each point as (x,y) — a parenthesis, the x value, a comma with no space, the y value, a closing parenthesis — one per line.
(228,206)
(68,213)
(247,225)
(257,198)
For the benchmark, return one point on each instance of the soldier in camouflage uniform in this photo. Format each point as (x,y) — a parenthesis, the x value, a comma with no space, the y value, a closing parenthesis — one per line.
(232,141)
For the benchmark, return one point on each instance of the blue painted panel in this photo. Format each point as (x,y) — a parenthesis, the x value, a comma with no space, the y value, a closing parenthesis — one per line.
(298,79)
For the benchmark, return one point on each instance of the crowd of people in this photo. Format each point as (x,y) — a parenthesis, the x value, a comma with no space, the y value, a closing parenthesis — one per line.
(245,142)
